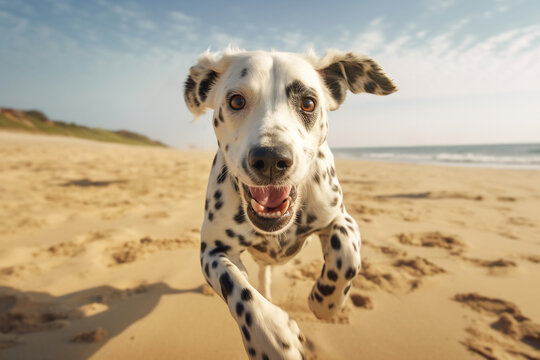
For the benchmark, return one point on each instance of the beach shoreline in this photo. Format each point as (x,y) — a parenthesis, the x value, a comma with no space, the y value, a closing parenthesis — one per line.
(99,259)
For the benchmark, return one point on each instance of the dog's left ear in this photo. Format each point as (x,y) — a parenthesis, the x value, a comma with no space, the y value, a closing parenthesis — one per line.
(201,81)
(358,73)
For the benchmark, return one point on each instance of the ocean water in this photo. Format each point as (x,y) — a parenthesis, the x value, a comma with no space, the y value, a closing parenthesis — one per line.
(513,156)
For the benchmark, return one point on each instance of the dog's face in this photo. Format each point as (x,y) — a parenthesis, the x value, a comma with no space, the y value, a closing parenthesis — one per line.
(270,118)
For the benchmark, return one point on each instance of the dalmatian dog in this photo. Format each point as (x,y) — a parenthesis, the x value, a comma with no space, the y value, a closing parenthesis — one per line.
(273,181)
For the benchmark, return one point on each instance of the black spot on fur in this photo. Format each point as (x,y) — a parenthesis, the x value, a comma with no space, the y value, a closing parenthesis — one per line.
(214,161)
(220,115)
(265,357)
(215,123)
(189,92)
(260,247)
(370,87)
(243,241)
(355,247)
(222,175)
(332,171)
(246,295)
(217,194)
(316,178)
(227,285)
(381,80)
(190,84)
(300,229)
(248,318)
(252,352)
(350,273)
(206,270)
(326,289)
(311,218)
(218,204)
(334,80)
(240,216)
(343,230)
(335,242)
(348,219)
(318,297)
(206,205)
(245,331)
(299,215)
(239,308)
(210,216)
(347,289)
(219,250)
(293,249)
(206,85)
(338,263)
(203,247)
(214,264)
(320,154)
(334,202)
(297,92)
(229,233)
(227,147)
(332,275)
(330,306)
(354,71)
(244,72)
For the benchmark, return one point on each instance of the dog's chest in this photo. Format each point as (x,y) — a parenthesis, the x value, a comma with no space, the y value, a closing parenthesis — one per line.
(272,250)
(280,249)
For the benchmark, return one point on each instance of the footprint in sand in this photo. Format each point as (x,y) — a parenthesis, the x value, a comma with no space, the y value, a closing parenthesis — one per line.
(90,336)
(433,239)
(532,258)
(494,267)
(399,276)
(131,251)
(504,331)
(362,301)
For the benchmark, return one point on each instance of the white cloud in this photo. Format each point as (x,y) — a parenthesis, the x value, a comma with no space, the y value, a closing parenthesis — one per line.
(146,24)
(181,17)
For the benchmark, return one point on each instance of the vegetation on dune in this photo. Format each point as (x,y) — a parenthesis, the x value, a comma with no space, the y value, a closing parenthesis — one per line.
(35,121)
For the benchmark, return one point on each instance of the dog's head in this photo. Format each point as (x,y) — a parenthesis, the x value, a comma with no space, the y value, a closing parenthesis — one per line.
(270,118)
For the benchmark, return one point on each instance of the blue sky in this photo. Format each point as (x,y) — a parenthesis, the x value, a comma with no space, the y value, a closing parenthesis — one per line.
(468,71)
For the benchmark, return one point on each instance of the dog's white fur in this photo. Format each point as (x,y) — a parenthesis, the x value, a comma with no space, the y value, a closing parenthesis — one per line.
(271,116)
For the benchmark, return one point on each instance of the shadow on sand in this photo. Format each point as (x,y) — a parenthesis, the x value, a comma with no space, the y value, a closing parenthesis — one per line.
(34,323)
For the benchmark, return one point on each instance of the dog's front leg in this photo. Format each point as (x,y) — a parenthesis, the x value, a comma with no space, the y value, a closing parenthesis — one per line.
(267,331)
(341,247)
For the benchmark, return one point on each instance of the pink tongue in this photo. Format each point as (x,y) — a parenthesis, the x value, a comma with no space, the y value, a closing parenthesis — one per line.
(270,196)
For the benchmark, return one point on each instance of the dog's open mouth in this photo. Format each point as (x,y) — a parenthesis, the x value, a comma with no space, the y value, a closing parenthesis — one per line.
(270,208)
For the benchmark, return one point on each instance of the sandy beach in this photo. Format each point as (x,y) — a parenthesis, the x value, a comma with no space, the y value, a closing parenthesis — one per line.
(99,258)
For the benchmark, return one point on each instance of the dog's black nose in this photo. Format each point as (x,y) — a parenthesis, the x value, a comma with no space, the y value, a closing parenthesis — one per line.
(270,162)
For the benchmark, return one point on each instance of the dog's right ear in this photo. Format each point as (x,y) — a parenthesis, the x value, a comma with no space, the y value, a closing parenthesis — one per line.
(200,84)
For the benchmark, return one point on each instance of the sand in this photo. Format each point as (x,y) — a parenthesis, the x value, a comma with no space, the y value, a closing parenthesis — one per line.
(99,259)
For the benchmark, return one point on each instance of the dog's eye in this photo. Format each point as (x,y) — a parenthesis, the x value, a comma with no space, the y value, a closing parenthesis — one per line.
(308,105)
(237,102)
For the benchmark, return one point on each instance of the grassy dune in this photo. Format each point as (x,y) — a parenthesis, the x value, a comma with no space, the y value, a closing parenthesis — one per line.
(36,122)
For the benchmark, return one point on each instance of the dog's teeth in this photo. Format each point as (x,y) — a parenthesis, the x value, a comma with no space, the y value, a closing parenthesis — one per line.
(256,206)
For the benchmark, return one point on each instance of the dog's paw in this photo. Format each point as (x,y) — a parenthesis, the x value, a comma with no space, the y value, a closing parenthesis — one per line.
(269,333)
(327,300)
